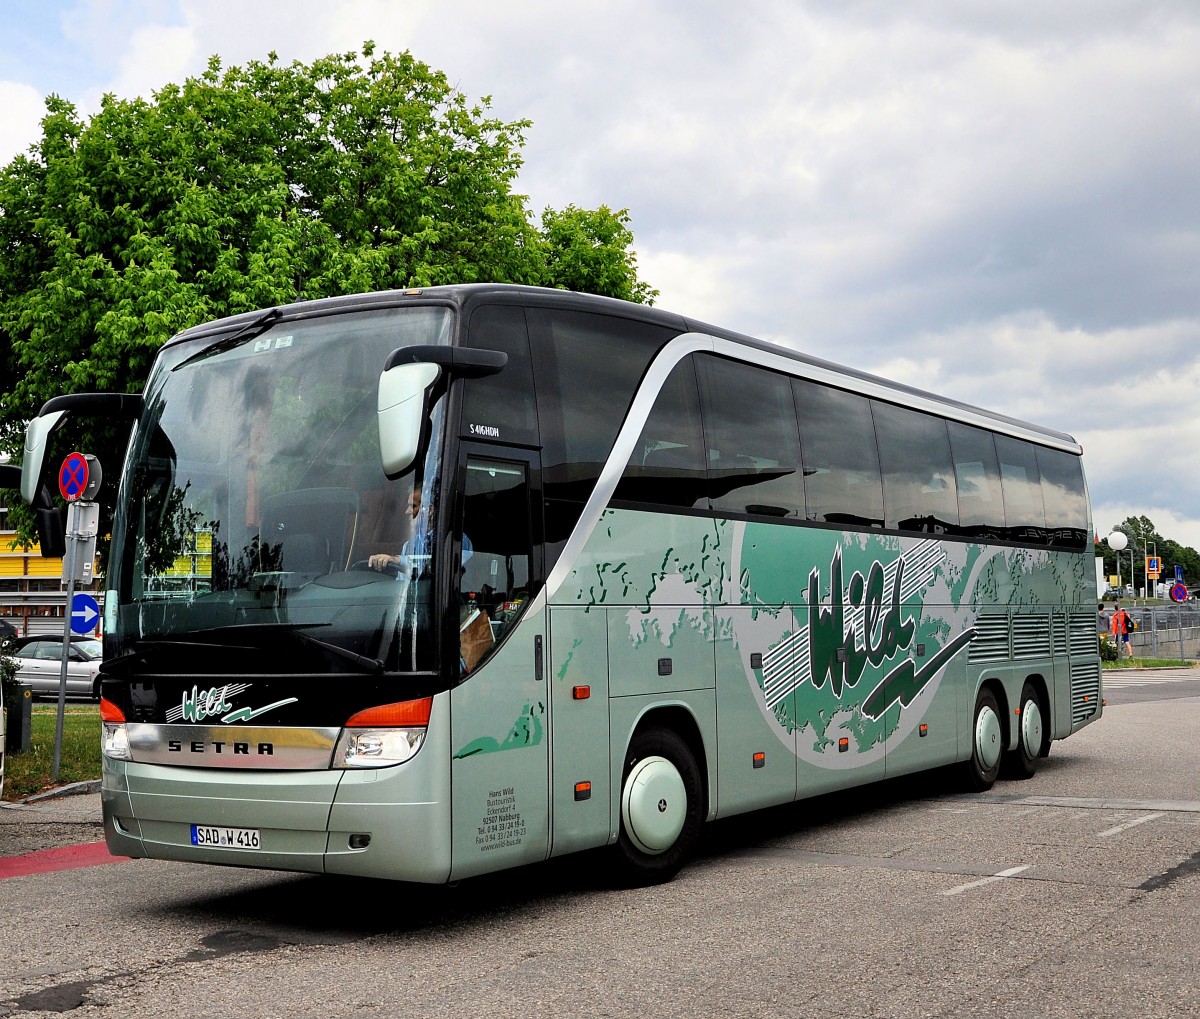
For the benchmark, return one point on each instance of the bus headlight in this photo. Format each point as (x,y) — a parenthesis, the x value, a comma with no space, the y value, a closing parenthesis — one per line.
(383,736)
(376,748)
(115,741)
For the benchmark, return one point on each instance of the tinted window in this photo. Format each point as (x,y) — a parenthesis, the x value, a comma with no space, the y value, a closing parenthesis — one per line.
(841,464)
(1064,498)
(587,371)
(503,402)
(753,447)
(1024,517)
(977,477)
(496,556)
(918,475)
(666,467)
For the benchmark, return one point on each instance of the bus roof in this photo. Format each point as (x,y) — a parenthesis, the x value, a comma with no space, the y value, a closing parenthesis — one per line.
(459,296)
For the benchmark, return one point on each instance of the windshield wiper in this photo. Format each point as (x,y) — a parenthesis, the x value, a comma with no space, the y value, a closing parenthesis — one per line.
(143,648)
(297,630)
(249,331)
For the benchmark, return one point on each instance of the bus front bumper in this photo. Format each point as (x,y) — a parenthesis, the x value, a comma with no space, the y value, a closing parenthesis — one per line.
(388,823)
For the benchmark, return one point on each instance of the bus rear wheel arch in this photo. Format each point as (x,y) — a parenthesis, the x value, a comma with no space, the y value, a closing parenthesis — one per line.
(662,807)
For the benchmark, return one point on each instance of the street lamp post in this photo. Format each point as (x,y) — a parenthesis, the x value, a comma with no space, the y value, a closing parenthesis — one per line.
(1118,541)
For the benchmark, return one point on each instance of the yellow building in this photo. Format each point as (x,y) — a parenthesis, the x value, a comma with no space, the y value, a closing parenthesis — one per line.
(32,592)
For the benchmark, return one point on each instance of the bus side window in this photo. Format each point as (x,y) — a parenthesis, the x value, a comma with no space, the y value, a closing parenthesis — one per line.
(1024,514)
(842,484)
(494,581)
(500,407)
(666,467)
(1064,497)
(919,490)
(977,475)
(752,441)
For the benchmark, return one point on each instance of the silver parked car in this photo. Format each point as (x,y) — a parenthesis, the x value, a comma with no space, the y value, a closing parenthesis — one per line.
(39,663)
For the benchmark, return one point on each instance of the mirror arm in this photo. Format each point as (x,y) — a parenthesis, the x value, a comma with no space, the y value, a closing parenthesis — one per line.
(458,362)
(107,405)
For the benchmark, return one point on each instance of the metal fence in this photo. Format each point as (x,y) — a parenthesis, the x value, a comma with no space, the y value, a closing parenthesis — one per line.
(1166,631)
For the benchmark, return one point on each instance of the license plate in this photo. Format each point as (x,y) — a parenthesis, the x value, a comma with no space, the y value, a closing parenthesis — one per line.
(225,838)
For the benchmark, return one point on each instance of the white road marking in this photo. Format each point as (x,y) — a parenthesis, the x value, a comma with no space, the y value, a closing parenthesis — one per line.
(1011,872)
(1127,825)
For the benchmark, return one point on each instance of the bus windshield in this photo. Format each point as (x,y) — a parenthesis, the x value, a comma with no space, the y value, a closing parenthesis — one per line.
(256,531)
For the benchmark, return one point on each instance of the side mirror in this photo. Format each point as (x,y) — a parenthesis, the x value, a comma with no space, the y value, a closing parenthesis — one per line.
(37,432)
(406,388)
(54,411)
(51,521)
(403,410)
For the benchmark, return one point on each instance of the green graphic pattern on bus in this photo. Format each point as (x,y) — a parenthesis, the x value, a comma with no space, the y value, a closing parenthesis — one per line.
(850,634)
(526,731)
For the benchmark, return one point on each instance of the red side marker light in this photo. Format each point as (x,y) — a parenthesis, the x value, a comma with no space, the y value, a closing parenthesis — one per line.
(843,745)
(924,730)
(760,760)
(583,790)
(581,693)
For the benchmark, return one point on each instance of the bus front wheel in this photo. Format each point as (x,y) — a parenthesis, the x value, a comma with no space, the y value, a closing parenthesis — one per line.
(661,807)
(987,743)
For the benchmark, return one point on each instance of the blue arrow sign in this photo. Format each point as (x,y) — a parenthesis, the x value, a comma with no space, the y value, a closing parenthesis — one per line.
(85,610)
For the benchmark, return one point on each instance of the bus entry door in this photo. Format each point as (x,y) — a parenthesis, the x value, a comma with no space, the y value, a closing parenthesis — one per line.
(499,710)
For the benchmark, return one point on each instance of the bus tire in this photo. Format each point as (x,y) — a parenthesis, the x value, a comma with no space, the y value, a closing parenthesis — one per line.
(1022,761)
(987,743)
(661,808)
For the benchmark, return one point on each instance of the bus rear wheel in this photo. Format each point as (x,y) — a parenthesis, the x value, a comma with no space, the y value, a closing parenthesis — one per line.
(661,796)
(1022,762)
(987,743)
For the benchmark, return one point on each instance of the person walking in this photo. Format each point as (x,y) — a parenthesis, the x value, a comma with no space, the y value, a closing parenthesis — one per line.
(1121,626)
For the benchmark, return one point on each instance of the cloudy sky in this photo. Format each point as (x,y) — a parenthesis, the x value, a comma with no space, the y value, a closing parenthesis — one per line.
(996,201)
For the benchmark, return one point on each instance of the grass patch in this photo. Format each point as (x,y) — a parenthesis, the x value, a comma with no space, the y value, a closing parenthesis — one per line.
(29,773)
(1148,663)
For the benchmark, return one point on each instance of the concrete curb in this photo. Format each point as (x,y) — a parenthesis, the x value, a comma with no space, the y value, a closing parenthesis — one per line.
(74,789)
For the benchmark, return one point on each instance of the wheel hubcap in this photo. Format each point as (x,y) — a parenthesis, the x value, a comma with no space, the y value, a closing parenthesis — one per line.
(1031,728)
(987,738)
(654,805)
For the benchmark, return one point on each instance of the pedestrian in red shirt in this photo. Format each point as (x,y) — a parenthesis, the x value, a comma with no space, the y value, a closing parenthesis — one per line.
(1121,625)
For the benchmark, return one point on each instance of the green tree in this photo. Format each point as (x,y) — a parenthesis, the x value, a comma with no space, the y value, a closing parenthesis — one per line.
(1144,536)
(588,250)
(259,185)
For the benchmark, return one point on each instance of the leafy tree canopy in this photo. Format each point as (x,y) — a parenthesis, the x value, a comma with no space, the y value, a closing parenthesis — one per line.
(260,185)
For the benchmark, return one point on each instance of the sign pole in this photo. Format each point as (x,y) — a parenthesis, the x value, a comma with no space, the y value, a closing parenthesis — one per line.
(78,482)
(69,570)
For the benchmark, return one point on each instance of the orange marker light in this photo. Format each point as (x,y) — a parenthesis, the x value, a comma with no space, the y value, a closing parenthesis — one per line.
(581,693)
(398,715)
(760,760)
(843,745)
(924,730)
(109,712)
(583,790)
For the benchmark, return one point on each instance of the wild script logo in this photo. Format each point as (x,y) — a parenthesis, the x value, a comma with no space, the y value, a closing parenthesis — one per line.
(840,654)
